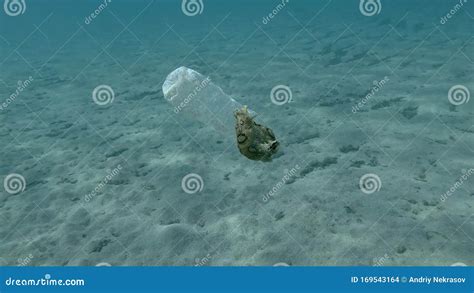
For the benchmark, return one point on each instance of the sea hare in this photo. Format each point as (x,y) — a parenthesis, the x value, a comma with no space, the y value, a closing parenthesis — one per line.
(255,141)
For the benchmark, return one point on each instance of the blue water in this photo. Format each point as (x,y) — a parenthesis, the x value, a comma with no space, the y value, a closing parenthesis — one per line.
(374,125)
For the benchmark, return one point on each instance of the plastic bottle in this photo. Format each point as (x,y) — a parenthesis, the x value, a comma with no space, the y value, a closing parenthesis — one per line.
(195,95)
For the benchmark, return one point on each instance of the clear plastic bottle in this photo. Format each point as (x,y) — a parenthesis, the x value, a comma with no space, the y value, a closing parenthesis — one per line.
(195,95)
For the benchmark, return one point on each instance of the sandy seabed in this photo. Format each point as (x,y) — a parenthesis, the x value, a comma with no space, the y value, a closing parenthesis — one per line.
(104,183)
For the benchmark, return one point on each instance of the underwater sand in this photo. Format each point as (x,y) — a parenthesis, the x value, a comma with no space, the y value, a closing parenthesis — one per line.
(326,52)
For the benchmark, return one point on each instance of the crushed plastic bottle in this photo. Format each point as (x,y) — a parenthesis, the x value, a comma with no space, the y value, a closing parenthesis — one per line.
(195,95)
